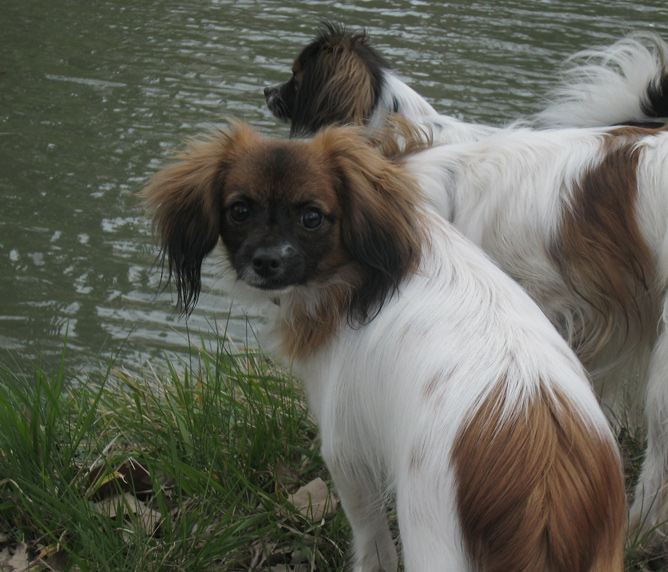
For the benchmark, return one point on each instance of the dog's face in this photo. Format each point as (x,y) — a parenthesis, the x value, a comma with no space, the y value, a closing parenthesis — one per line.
(336,79)
(281,219)
(290,214)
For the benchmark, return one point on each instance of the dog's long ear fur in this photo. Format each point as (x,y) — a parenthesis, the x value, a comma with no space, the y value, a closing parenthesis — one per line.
(342,77)
(185,200)
(380,227)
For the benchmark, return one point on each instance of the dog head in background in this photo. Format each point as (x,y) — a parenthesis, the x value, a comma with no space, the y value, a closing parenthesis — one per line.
(336,79)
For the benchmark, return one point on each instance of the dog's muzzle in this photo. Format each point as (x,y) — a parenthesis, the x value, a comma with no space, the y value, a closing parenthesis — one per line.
(271,91)
(273,267)
(274,102)
(270,94)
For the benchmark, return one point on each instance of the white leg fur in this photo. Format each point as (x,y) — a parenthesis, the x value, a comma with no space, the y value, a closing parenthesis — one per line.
(650,506)
(363,502)
(431,539)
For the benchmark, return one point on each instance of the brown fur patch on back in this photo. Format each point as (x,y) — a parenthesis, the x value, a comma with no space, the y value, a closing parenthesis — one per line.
(538,491)
(600,250)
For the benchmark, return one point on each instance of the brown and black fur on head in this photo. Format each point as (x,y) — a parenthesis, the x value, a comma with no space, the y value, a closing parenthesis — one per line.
(290,214)
(336,79)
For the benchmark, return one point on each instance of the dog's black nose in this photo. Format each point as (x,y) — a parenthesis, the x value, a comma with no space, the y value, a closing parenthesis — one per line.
(270,91)
(267,262)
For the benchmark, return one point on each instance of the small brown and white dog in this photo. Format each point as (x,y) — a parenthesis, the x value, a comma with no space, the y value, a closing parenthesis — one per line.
(429,371)
(340,78)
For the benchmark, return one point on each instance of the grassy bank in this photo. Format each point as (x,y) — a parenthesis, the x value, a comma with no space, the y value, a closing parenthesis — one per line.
(186,467)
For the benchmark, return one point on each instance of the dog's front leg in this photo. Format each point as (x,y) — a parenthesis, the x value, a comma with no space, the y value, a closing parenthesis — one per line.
(649,512)
(362,499)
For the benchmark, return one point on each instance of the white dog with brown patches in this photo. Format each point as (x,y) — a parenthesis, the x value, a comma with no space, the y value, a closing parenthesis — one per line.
(429,371)
(580,219)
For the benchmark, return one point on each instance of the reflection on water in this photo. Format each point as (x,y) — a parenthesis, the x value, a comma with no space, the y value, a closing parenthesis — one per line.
(94,95)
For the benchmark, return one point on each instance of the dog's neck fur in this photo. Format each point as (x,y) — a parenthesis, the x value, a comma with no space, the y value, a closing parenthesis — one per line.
(397,97)
(307,318)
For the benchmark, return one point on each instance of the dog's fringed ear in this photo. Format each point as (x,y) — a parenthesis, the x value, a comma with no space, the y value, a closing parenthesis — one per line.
(185,202)
(380,226)
(341,81)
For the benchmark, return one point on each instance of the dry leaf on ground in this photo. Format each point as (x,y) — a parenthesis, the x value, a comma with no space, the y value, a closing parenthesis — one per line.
(148,518)
(314,500)
(14,559)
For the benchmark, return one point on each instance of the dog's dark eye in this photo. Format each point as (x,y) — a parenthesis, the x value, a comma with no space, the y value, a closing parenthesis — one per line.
(311,218)
(239,212)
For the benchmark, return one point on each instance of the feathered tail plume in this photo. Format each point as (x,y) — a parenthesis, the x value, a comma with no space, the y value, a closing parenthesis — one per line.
(622,84)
